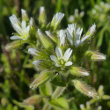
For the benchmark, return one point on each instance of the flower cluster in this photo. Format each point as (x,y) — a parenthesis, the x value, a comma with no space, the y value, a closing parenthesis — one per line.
(57,50)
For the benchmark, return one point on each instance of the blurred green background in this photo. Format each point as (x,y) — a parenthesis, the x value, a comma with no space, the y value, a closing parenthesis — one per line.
(15,72)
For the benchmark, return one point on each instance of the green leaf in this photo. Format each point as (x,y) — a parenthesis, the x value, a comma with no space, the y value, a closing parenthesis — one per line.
(46,89)
(59,103)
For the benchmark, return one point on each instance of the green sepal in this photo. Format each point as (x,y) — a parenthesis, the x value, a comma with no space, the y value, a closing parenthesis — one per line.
(14,45)
(42,78)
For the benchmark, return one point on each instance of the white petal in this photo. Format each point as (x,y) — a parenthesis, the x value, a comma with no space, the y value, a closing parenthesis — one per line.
(23,12)
(62,36)
(71,28)
(70,31)
(69,37)
(77,43)
(57,65)
(84,38)
(15,23)
(42,9)
(36,63)
(27,29)
(23,24)
(58,52)
(67,54)
(14,37)
(31,22)
(32,51)
(78,33)
(92,29)
(53,58)
(69,63)
(58,17)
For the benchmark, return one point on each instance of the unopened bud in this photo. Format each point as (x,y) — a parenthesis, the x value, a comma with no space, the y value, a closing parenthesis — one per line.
(42,78)
(32,100)
(106,97)
(99,108)
(82,107)
(91,31)
(3,101)
(84,88)
(24,15)
(42,16)
(32,51)
(56,20)
(44,39)
(31,22)
(78,71)
(100,90)
(95,56)
(14,44)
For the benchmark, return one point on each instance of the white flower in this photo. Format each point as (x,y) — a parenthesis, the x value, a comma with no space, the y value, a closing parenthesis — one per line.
(21,28)
(62,36)
(57,19)
(60,59)
(74,34)
(32,51)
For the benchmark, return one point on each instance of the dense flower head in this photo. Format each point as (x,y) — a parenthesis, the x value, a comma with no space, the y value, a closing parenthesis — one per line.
(57,50)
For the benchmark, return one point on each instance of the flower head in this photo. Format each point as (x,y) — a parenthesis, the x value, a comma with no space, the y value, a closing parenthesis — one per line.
(60,59)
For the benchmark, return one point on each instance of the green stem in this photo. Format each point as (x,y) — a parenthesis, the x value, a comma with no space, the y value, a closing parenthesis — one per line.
(56,94)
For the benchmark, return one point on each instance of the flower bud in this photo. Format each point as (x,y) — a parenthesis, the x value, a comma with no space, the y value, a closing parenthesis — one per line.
(44,39)
(106,97)
(78,71)
(24,15)
(82,107)
(42,15)
(32,51)
(56,20)
(13,45)
(42,78)
(32,100)
(51,36)
(100,90)
(95,56)
(99,108)
(84,88)
(91,31)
